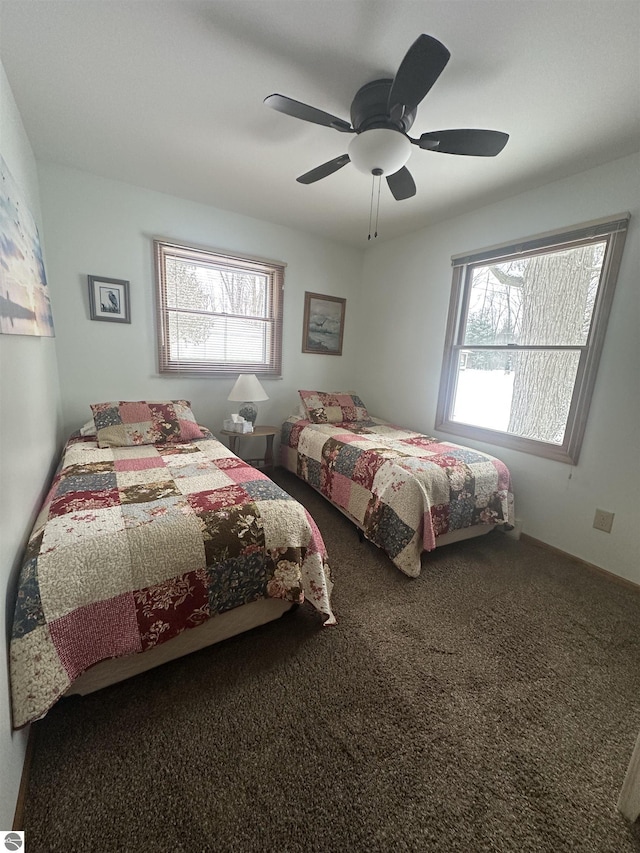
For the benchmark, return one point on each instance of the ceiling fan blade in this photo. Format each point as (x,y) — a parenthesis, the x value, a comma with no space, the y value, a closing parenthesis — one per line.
(474,143)
(324,170)
(401,184)
(423,63)
(307,113)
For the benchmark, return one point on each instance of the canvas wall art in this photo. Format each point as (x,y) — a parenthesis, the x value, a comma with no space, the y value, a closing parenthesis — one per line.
(25,307)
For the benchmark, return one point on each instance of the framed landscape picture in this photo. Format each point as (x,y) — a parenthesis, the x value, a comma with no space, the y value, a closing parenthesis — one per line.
(323,325)
(109,299)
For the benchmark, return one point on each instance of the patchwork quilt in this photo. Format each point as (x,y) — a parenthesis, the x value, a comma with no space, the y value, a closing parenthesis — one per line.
(402,488)
(134,545)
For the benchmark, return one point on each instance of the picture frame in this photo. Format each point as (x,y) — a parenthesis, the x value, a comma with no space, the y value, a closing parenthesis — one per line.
(109,299)
(323,325)
(25,306)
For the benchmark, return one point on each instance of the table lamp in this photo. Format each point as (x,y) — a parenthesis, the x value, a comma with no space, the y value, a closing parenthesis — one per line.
(248,390)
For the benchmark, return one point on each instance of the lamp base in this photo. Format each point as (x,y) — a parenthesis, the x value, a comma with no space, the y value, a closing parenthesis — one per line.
(249,412)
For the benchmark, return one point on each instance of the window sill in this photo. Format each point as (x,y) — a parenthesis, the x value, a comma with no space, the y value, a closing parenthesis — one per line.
(557,453)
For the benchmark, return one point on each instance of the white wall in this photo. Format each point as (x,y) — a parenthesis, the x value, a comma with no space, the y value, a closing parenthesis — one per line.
(408,283)
(102,227)
(30,420)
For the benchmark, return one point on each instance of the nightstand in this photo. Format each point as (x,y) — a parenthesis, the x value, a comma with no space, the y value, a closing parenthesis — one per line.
(268,432)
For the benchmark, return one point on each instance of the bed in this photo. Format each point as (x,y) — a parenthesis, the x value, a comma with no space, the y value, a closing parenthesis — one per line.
(153,541)
(407,492)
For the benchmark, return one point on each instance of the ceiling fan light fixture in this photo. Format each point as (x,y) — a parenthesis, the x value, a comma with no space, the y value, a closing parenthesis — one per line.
(382,112)
(380,151)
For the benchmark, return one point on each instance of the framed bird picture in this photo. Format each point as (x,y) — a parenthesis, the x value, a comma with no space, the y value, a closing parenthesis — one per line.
(109,299)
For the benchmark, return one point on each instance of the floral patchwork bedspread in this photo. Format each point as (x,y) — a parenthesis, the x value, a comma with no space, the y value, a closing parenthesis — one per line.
(404,489)
(133,545)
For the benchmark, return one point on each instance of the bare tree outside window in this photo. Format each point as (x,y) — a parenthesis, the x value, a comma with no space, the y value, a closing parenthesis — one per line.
(218,314)
(524,336)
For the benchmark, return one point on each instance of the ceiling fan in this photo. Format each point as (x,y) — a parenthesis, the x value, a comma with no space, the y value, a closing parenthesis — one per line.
(382,112)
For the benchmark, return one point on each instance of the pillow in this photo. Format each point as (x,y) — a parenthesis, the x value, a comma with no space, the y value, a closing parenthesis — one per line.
(88,429)
(333,408)
(126,424)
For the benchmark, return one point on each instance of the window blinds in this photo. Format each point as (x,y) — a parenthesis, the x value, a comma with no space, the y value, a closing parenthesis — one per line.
(558,238)
(218,314)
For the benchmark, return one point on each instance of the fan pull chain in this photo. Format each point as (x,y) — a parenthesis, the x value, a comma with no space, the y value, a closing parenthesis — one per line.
(376,173)
(373,179)
(377,207)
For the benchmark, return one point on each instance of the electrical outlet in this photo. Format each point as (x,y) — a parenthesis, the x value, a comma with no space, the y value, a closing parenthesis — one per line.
(603,520)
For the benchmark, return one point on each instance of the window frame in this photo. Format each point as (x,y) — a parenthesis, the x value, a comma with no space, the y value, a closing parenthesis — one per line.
(611,230)
(274,270)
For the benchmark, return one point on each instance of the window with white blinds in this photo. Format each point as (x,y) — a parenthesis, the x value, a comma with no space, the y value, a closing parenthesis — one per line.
(218,314)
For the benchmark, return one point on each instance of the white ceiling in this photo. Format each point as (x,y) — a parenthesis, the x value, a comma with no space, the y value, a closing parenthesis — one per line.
(168,96)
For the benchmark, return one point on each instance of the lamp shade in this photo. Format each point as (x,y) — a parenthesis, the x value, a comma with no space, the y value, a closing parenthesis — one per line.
(380,150)
(247,389)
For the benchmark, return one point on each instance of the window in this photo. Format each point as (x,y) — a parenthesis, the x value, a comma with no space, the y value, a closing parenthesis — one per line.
(524,336)
(218,314)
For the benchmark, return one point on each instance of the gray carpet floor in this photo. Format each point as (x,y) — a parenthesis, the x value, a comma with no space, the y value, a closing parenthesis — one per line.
(491,704)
